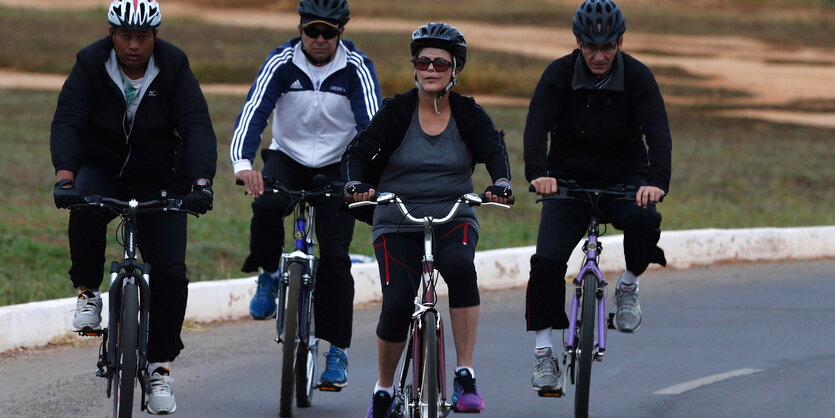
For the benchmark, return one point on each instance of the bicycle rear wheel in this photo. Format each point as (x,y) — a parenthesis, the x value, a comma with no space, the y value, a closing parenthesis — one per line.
(289,343)
(124,379)
(586,345)
(429,398)
(306,357)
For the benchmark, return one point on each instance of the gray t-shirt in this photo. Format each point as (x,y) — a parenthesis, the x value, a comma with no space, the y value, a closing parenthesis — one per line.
(424,169)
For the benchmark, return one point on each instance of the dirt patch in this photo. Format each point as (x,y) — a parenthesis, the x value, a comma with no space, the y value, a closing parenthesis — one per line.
(767,74)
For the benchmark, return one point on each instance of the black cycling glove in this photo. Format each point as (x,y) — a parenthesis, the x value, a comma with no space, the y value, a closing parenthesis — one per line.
(199,200)
(358,188)
(499,191)
(66,196)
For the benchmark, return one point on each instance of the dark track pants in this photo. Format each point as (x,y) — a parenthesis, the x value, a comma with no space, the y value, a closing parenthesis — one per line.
(162,243)
(333,302)
(563,225)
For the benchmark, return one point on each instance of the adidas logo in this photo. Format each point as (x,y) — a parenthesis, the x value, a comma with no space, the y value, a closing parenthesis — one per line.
(297,85)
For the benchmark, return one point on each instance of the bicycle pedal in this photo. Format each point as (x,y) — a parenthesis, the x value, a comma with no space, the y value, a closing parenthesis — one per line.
(550,393)
(329,388)
(89,332)
(611,321)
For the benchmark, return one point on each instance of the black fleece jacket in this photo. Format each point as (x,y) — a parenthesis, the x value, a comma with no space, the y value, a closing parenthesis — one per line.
(368,152)
(171,142)
(597,135)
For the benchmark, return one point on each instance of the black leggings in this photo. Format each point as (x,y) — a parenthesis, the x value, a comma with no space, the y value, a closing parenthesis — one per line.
(563,225)
(162,243)
(399,259)
(334,301)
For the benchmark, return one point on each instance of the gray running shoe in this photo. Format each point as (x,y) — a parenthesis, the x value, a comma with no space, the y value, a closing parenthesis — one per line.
(628,317)
(160,396)
(87,312)
(546,373)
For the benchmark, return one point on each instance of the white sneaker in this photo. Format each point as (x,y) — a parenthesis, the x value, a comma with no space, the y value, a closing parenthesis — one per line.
(546,373)
(628,317)
(160,396)
(87,315)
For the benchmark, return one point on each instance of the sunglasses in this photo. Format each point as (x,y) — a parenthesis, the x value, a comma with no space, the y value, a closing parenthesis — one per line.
(327,33)
(440,64)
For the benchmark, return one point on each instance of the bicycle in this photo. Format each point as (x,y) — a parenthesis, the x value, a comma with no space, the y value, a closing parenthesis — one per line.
(124,347)
(294,314)
(588,304)
(425,395)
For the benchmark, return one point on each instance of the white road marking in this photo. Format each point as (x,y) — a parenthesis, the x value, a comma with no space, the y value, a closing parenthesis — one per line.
(693,384)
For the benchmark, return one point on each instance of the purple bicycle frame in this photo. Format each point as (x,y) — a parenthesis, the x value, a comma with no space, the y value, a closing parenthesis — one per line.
(592,249)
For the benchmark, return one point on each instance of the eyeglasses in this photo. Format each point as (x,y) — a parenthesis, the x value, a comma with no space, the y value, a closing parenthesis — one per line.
(327,33)
(440,64)
(593,49)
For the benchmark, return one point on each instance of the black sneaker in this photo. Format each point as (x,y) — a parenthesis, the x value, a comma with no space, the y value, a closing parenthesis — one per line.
(381,405)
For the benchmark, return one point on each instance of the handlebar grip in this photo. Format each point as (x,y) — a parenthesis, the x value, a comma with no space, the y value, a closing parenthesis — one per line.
(531,188)
(239,182)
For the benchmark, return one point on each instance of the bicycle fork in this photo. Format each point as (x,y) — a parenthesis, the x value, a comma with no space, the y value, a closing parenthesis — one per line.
(121,274)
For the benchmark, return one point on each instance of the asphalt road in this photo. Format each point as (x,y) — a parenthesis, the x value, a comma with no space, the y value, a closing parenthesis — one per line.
(746,340)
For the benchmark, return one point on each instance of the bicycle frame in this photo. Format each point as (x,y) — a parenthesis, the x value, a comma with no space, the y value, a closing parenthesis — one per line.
(592,249)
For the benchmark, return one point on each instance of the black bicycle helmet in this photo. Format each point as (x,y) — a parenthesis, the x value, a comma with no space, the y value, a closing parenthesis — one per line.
(443,36)
(333,10)
(599,22)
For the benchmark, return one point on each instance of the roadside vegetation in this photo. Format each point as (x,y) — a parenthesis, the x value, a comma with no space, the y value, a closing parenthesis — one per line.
(727,173)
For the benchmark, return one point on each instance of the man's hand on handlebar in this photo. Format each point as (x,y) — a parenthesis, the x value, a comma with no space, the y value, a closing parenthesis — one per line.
(647,195)
(545,186)
(253,182)
(358,192)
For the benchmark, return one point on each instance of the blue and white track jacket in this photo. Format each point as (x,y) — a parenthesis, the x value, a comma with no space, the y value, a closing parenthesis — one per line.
(311,124)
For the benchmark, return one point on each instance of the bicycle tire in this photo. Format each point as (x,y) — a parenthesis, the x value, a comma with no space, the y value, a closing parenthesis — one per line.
(586,346)
(306,357)
(289,343)
(124,379)
(429,369)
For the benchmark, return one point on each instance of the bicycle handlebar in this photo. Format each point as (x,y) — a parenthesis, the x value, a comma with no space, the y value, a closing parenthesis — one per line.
(569,189)
(471,199)
(155,205)
(321,186)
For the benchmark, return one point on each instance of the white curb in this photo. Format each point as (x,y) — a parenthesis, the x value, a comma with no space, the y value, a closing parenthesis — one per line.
(37,323)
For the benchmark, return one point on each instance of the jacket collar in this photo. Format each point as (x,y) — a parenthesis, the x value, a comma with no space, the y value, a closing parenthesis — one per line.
(340,59)
(583,78)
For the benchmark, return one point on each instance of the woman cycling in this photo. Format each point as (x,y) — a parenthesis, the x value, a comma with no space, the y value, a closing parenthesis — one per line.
(423,145)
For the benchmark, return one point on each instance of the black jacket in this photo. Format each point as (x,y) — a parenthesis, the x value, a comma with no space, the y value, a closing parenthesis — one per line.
(368,152)
(171,142)
(597,135)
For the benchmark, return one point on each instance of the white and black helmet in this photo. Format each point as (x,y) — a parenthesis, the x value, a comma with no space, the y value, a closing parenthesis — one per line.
(443,36)
(330,10)
(134,15)
(599,22)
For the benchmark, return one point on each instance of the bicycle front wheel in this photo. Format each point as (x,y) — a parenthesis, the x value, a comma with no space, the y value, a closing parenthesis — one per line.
(307,353)
(124,379)
(586,345)
(289,343)
(429,398)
